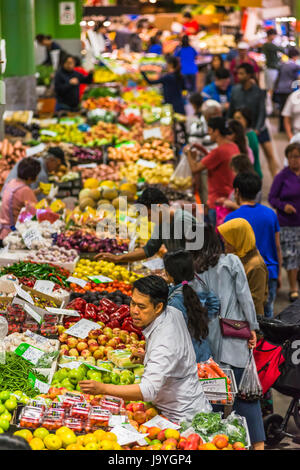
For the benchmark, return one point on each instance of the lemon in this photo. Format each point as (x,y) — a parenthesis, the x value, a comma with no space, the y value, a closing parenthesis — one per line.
(37,444)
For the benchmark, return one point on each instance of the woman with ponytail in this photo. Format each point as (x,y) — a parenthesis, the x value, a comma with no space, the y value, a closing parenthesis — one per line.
(197,307)
(172,83)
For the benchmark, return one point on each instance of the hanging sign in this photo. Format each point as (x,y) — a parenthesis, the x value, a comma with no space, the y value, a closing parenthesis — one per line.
(67,13)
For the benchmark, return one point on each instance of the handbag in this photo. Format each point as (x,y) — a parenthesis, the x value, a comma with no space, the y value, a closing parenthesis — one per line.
(235,328)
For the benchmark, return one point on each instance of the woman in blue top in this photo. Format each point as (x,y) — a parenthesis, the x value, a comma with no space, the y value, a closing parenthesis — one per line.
(197,307)
(173,84)
(187,55)
(155,46)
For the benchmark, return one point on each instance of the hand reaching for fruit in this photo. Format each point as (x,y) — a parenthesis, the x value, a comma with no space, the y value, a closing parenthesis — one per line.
(107,257)
(92,387)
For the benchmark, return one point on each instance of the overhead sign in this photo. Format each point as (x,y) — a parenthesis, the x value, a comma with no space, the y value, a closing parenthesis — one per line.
(67,13)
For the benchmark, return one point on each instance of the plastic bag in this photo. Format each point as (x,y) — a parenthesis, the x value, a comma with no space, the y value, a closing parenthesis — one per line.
(182,176)
(250,388)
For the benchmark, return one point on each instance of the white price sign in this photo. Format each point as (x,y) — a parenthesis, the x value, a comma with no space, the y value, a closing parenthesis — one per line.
(46,287)
(23,294)
(146,163)
(62,311)
(31,235)
(101,278)
(37,338)
(33,314)
(75,280)
(82,328)
(134,111)
(29,353)
(87,165)
(161,423)
(125,436)
(48,133)
(155,132)
(36,383)
(34,150)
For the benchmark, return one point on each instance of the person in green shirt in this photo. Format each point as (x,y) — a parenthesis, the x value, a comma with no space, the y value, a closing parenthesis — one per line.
(243,115)
(270,50)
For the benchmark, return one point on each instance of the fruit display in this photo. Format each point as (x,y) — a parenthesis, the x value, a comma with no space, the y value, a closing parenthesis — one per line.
(10,154)
(98,91)
(58,255)
(156,150)
(103,75)
(93,293)
(86,268)
(62,133)
(108,103)
(104,133)
(160,174)
(101,172)
(86,243)
(147,97)
(129,119)
(8,403)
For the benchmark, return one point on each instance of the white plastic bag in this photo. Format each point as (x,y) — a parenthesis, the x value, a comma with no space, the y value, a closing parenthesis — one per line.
(250,388)
(182,176)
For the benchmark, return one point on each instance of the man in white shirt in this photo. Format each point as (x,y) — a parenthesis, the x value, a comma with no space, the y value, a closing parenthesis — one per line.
(170,379)
(291,114)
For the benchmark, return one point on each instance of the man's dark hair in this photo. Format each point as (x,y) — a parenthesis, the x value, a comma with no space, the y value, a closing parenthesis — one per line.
(271,32)
(291,147)
(40,37)
(218,123)
(187,14)
(57,152)
(241,164)
(28,168)
(154,286)
(293,52)
(249,69)
(222,73)
(151,196)
(248,184)
(197,100)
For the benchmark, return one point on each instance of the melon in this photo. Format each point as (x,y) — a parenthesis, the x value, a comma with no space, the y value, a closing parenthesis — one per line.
(130,187)
(109,194)
(108,184)
(95,194)
(87,202)
(91,183)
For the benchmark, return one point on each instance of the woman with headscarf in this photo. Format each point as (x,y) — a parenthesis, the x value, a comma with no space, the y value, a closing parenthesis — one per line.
(239,239)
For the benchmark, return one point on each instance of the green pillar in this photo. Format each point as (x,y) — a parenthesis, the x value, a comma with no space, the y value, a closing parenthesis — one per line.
(17,18)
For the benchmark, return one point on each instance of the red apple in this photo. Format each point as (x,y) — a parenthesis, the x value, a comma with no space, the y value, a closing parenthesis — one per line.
(134,335)
(121,346)
(171,441)
(161,436)
(138,407)
(100,323)
(116,331)
(113,343)
(73,352)
(129,407)
(72,342)
(153,432)
(82,345)
(139,417)
(98,354)
(86,353)
(94,334)
(108,332)
(107,349)
(151,412)
(63,337)
(64,350)
(117,339)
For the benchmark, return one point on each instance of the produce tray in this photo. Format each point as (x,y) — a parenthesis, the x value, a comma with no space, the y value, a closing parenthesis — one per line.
(69,266)
(214,395)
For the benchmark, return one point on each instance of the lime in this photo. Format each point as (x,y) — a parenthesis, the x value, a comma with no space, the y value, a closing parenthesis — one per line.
(2,409)
(10,404)
(6,415)
(4,423)
(4,395)
(1,431)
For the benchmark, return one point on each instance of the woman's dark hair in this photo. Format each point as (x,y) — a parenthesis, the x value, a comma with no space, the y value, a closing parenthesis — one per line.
(66,57)
(151,196)
(187,14)
(247,115)
(293,52)
(218,123)
(28,168)
(211,251)
(154,286)
(220,58)
(57,152)
(13,443)
(175,63)
(185,41)
(197,100)
(180,266)
(291,147)
(241,164)
(236,128)
(98,25)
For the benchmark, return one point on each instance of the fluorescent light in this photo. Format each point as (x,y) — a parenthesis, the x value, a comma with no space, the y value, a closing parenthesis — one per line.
(106,23)
(91,23)
(152,1)
(82,23)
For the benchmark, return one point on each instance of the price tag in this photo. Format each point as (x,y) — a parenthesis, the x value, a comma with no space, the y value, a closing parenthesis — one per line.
(126,144)
(34,150)
(154,264)
(62,311)
(134,111)
(131,245)
(122,128)
(33,314)
(46,287)
(146,163)
(100,279)
(71,365)
(31,235)
(75,280)
(126,436)
(87,165)
(29,353)
(116,420)
(23,294)
(141,441)
(48,133)
(215,388)
(37,338)
(161,423)
(36,383)
(82,328)
(155,132)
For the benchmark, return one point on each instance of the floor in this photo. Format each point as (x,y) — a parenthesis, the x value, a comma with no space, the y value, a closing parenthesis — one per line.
(281,402)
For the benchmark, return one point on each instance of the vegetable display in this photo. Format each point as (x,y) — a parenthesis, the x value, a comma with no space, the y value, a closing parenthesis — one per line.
(43,271)
(86,243)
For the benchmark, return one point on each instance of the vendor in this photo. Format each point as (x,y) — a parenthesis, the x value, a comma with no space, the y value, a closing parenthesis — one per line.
(170,380)
(48,164)
(17,193)
(67,82)
(47,42)
(171,222)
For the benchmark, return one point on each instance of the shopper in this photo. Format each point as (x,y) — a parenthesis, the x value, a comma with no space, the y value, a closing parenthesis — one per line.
(220,89)
(170,380)
(17,193)
(285,198)
(239,239)
(198,127)
(247,94)
(50,45)
(237,134)
(286,83)
(171,223)
(190,25)
(135,40)
(264,223)
(233,53)
(243,58)
(225,276)
(243,115)
(270,50)
(172,83)
(187,55)
(291,115)
(217,63)
(67,83)
(197,306)
(217,162)
(155,46)
(49,163)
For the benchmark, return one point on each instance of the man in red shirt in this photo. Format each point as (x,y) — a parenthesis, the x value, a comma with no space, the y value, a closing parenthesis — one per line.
(242,58)
(217,162)
(190,26)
